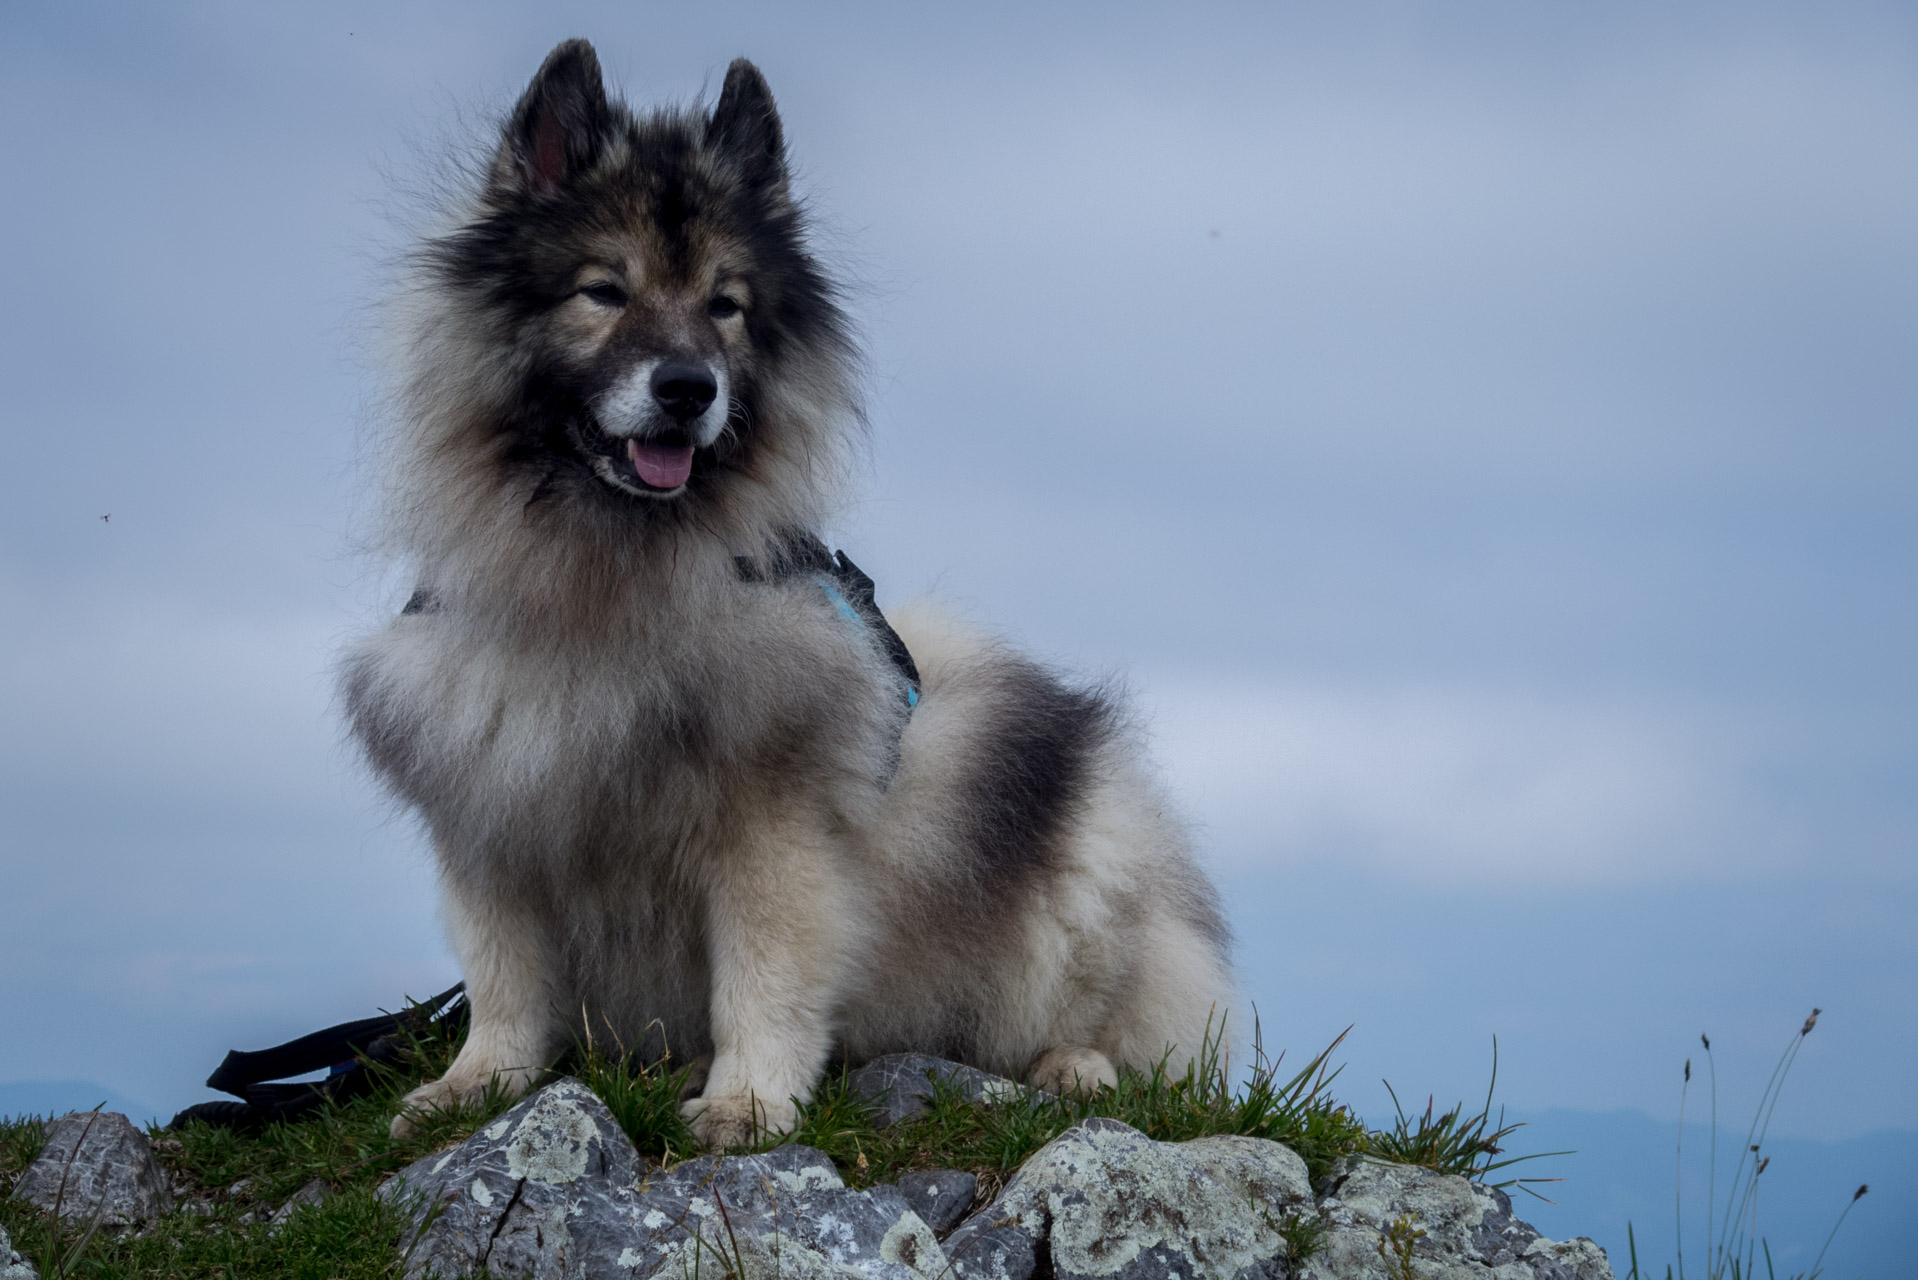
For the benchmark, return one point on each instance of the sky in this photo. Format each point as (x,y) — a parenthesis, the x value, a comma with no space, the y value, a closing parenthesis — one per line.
(1481,436)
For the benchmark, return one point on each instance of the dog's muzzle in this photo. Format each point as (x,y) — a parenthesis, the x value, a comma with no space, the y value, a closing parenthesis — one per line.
(654,419)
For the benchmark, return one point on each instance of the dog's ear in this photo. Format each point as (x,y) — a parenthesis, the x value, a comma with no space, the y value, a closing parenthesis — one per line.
(745,127)
(559,125)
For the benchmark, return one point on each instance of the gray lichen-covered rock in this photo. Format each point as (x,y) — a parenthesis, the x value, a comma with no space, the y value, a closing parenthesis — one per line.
(105,1163)
(900,1084)
(509,1198)
(12,1265)
(1470,1230)
(939,1196)
(1103,1200)
(552,1189)
(791,1207)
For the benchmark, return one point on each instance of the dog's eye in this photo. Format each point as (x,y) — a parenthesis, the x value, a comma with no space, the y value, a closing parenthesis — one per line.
(722,307)
(605,293)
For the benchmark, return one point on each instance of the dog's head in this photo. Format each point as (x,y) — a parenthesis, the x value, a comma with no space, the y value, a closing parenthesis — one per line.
(642,293)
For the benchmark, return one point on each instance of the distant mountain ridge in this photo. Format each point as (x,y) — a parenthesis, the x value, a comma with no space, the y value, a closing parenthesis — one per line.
(1624,1171)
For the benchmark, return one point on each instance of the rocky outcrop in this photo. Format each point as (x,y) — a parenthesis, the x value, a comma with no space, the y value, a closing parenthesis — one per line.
(536,1192)
(12,1265)
(1454,1230)
(1105,1200)
(96,1162)
(553,1189)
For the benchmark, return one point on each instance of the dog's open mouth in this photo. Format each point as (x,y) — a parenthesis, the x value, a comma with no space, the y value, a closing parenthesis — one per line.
(660,464)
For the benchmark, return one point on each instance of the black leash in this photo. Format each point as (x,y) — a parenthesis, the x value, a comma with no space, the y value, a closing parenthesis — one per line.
(344,1051)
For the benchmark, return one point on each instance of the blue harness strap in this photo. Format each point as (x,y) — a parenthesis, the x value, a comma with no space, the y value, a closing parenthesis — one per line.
(889,639)
(846,586)
(839,601)
(848,589)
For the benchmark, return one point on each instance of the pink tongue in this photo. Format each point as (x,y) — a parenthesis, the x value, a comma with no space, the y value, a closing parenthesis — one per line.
(663,466)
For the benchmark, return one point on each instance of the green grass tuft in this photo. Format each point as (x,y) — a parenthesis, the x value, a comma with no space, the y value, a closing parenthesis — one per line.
(992,1140)
(1454,1142)
(20,1141)
(644,1099)
(1303,1233)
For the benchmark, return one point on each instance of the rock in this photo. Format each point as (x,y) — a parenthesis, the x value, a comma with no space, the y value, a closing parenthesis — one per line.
(1470,1230)
(900,1084)
(106,1164)
(791,1208)
(997,1253)
(551,1189)
(1104,1200)
(12,1265)
(508,1197)
(940,1196)
(312,1192)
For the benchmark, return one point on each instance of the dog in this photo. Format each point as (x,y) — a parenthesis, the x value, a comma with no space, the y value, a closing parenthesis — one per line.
(683,786)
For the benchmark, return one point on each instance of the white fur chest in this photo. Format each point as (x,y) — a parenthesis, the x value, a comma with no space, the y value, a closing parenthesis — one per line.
(540,743)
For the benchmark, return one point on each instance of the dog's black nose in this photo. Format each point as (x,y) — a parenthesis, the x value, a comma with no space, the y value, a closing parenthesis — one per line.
(684,391)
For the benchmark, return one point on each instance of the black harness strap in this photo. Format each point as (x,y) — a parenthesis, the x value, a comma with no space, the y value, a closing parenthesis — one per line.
(421,601)
(801,553)
(847,586)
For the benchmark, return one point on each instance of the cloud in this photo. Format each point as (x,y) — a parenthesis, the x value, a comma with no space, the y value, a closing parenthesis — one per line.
(1458,784)
(1540,352)
(1654,268)
(163,694)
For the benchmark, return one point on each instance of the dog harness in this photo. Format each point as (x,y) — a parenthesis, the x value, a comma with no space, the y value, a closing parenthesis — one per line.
(847,588)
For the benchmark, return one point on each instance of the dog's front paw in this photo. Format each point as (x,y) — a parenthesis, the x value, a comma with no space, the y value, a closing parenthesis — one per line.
(449,1093)
(737,1120)
(1072,1070)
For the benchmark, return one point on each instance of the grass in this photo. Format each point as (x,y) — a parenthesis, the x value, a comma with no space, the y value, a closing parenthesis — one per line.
(1454,1142)
(991,1141)
(234,1181)
(1734,1246)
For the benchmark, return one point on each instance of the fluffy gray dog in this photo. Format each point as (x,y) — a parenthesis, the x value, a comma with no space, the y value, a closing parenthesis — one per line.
(683,781)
